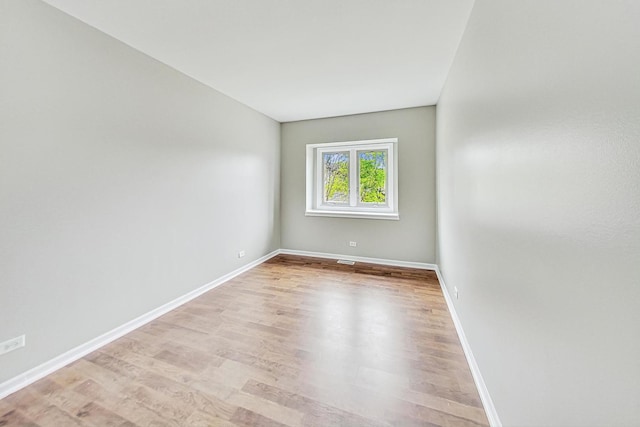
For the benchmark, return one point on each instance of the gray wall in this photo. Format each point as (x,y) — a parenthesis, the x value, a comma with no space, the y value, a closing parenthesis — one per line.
(412,238)
(539,206)
(123,183)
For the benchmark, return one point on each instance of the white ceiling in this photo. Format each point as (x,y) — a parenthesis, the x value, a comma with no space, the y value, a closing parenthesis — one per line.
(295,59)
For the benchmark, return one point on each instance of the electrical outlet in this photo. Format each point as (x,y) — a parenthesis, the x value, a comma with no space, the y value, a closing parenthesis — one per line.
(241,254)
(455,291)
(12,344)
(353,244)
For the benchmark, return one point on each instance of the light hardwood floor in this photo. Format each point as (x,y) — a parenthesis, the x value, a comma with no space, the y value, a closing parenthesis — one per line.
(293,342)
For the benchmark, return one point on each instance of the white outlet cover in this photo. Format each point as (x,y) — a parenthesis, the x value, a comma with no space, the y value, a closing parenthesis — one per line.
(12,344)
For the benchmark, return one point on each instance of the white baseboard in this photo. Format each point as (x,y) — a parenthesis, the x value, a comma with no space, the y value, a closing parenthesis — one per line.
(14,384)
(381,261)
(32,375)
(487,402)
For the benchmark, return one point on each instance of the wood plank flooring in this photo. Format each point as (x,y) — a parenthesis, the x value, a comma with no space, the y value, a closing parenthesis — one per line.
(293,342)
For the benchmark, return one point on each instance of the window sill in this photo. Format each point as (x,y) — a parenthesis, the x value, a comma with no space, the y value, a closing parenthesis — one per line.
(354,214)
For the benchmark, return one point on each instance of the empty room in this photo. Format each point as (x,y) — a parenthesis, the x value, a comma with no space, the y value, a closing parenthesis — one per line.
(320,213)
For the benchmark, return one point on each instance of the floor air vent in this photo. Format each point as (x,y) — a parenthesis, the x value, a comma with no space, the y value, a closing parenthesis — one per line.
(346,262)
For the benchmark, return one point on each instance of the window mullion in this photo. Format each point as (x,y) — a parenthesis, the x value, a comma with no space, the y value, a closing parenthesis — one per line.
(353,178)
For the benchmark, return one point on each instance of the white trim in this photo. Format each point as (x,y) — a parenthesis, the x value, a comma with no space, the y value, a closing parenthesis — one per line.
(485,397)
(487,402)
(357,142)
(354,214)
(32,375)
(20,381)
(381,261)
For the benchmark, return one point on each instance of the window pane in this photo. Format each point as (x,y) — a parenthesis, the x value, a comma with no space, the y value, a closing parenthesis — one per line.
(373,176)
(336,177)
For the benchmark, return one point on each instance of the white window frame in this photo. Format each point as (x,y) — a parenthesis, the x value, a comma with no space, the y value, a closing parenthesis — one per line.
(355,208)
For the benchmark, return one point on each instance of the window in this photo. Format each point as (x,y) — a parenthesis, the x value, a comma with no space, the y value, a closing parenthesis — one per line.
(356,179)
